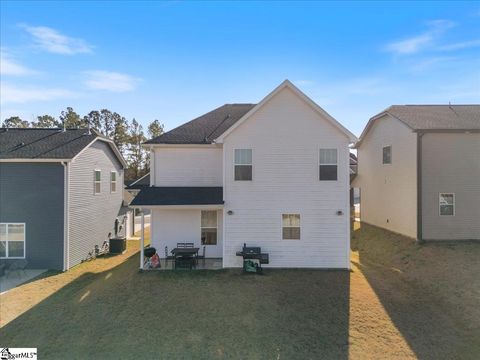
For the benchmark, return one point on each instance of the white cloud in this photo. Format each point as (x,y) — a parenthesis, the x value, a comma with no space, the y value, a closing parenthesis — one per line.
(53,41)
(460,45)
(24,94)
(110,81)
(8,66)
(421,41)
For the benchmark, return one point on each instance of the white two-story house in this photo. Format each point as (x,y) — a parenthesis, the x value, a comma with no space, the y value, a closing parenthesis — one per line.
(273,174)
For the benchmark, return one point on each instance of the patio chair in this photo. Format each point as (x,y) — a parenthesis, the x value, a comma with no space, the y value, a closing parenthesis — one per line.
(202,257)
(184,262)
(184,245)
(168,257)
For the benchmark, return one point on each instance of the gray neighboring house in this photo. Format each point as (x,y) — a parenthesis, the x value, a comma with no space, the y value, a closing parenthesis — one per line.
(60,193)
(419,171)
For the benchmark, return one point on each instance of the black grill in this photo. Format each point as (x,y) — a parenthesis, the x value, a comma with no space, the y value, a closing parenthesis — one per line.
(253,258)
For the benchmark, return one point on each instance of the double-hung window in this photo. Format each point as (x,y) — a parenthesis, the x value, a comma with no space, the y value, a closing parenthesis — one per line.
(328,166)
(12,240)
(243,164)
(113,181)
(446,203)
(97,181)
(291,226)
(209,227)
(387,155)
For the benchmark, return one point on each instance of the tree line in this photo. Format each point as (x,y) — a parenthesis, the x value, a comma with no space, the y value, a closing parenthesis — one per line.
(127,135)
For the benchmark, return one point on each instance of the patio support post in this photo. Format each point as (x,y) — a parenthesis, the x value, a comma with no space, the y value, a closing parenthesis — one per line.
(142,239)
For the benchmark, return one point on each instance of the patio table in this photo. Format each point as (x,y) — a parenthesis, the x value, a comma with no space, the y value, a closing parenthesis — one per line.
(179,252)
(185,251)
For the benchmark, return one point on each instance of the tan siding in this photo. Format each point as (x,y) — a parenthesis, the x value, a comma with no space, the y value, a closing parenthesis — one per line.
(188,166)
(389,192)
(286,135)
(92,217)
(451,164)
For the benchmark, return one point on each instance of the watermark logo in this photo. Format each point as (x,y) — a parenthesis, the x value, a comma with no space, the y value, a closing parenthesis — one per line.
(18,353)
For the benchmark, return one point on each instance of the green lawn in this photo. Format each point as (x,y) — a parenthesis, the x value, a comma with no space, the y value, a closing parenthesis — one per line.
(106,309)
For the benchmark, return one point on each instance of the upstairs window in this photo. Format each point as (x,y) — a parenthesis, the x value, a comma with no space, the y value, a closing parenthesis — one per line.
(243,164)
(291,226)
(113,181)
(209,227)
(97,181)
(328,164)
(12,240)
(446,203)
(387,154)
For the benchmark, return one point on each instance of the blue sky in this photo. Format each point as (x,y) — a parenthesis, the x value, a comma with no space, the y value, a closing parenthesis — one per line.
(174,61)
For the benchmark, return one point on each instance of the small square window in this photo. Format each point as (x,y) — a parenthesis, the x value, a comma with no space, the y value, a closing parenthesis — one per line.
(113,181)
(208,229)
(446,203)
(243,165)
(97,181)
(291,226)
(328,165)
(387,155)
(12,240)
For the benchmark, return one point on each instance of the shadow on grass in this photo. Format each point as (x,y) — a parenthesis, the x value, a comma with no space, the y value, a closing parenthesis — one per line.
(395,267)
(121,313)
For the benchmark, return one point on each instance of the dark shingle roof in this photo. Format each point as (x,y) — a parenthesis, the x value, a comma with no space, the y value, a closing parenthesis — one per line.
(438,117)
(179,196)
(32,143)
(206,128)
(139,183)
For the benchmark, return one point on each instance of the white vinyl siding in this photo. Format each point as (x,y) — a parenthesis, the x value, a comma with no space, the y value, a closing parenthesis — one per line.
(97,181)
(12,240)
(446,204)
(187,166)
(328,164)
(175,226)
(113,182)
(291,226)
(243,165)
(92,216)
(286,181)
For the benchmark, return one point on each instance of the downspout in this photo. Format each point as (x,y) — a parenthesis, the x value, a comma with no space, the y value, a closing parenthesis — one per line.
(66,203)
(419,187)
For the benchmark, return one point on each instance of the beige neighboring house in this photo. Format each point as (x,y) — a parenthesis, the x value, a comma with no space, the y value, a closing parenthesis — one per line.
(419,171)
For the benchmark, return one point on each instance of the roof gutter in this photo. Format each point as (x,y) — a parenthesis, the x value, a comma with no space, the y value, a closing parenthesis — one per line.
(419,188)
(23,160)
(66,223)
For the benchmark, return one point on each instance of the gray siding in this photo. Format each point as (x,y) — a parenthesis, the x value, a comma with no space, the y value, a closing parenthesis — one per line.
(451,164)
(33,193)
(92,217)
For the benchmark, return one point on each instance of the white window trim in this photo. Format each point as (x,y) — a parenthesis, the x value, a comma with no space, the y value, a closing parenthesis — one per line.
(24,241)
(439,206)
(235,164)
(391,154)
(208,227)
(95,182)
(299,226)
(111,181)
(318,164)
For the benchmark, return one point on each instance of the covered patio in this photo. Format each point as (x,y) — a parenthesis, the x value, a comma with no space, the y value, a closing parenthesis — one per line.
(186,229)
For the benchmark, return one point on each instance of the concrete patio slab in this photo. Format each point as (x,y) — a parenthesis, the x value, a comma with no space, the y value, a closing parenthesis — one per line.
(17,277)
